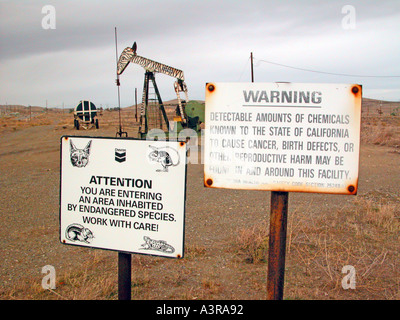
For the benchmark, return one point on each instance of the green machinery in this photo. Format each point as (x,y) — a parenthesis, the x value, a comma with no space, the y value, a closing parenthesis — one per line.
(85,115)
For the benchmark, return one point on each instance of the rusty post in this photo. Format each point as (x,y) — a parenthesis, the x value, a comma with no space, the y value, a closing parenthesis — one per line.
(277,245)
(277,237)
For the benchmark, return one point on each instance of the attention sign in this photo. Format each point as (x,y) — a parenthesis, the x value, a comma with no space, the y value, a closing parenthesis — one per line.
(123,194)
(283,136)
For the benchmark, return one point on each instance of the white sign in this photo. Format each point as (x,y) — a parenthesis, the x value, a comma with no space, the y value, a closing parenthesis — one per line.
(283,136)
(123,194)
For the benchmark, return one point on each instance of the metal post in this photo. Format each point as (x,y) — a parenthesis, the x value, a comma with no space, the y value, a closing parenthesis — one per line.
(136,104)
(119,132)
(277,237)
(161,104)
(252,71)
(146,99)
(124,276)
(277,245)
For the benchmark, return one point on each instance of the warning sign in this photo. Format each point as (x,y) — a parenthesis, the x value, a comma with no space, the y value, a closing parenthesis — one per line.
(283,136)
(123,194)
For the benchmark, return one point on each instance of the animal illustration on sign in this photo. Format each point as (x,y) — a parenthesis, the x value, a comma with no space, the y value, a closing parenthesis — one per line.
(80,157)
(166,156)
(158,245)
(77,232)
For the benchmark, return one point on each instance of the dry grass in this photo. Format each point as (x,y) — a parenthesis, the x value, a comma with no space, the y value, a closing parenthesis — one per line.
(14,124)
(97,279)
(92,281)
(364,235)
(383,131)
(211,285)
(254,243)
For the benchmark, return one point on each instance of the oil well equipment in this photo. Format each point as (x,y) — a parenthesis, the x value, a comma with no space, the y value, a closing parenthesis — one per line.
(152,111)
(85,114)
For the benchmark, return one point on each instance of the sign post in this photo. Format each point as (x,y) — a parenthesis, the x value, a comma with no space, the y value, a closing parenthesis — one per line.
(277,245)
(282,137)
(124,276)
(126,195)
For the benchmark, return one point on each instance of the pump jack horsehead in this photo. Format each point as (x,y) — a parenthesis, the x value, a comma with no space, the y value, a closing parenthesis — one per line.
(129,55)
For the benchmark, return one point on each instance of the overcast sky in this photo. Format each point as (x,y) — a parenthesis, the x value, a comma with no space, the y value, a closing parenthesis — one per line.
(210,41)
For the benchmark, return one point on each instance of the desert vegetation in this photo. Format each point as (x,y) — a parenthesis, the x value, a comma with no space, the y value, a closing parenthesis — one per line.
(226,230)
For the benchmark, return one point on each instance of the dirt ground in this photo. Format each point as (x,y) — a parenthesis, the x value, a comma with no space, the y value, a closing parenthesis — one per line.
(213,267)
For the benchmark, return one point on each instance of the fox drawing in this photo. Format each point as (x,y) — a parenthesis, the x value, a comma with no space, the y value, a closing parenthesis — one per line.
(80,157)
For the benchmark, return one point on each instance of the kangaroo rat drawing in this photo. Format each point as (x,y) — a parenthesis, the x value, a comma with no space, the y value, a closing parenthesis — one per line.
(166,156)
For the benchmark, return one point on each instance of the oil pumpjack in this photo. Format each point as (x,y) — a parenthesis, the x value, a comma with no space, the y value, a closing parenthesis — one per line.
(151,67)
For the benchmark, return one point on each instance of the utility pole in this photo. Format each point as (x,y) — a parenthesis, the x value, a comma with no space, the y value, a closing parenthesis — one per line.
(252,70)
(277,237)
(136,104)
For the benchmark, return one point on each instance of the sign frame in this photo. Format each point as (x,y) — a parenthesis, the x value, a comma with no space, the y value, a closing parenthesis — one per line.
(178,252)
(226,98)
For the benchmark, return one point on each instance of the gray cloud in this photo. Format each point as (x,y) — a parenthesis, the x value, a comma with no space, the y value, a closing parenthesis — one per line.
(209,40)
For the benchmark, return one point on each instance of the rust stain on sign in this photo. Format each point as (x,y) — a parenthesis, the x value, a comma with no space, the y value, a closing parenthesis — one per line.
(208,182)
(356,90)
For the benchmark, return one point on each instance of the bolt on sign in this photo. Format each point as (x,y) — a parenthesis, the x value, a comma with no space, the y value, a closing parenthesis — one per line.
(283,136)
(123,194)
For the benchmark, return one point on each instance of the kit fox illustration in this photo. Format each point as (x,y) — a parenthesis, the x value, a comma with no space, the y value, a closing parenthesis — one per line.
(80,157)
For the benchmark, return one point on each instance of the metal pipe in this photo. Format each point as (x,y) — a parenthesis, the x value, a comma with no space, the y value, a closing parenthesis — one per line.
(252,71)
